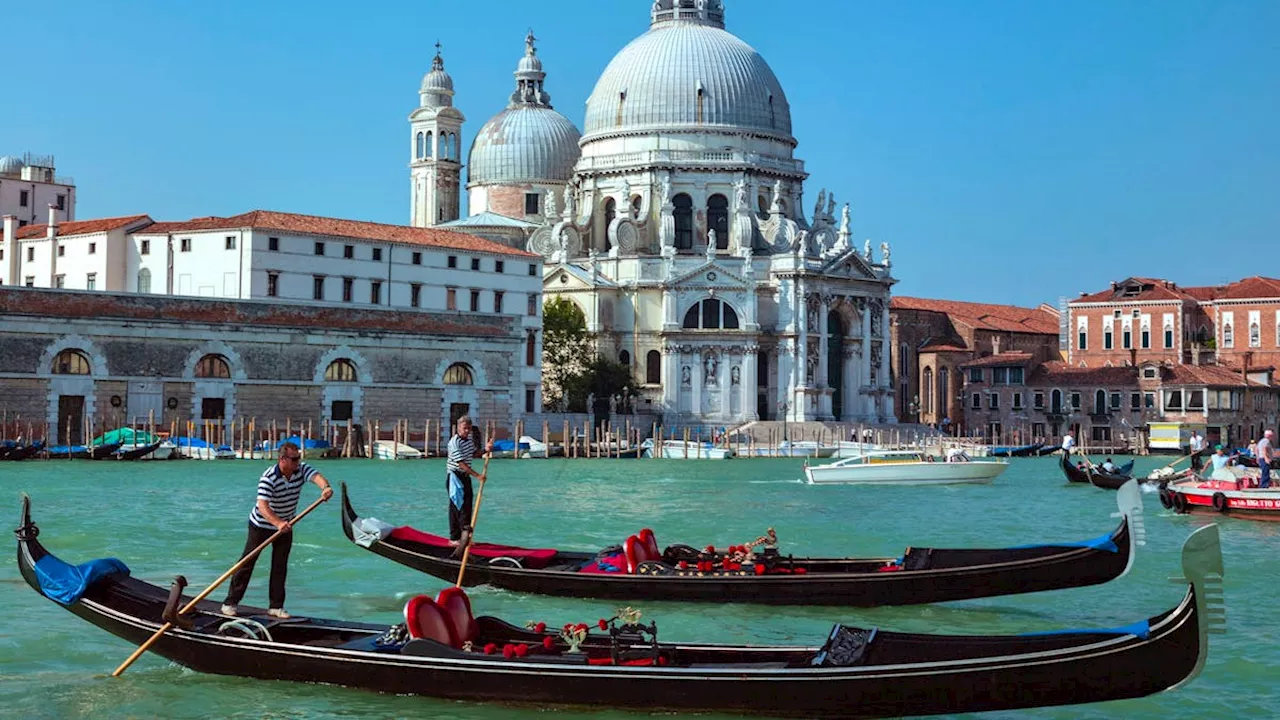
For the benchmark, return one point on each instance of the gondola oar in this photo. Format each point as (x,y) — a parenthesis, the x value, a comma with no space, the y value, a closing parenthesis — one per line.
(475,515)
(191,605)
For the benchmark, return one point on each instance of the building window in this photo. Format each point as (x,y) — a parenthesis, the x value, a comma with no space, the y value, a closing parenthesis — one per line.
(1037,400)
(59,281)
(341,410)
(533,306)
(348,289)
(93,248)
(1106,339)
(1037,430)
(530,399)
(499,266)
(91,281)
(530,349)
(1135,401)
(497,302)
(273,284)
(653,368)
(144,247)
(318,249)
(375,292)
(273,244)
(1017,401)
(1255,335)
(29,281)
(993,401)
(451,299)
(31,254)
(1115,401)
(1228,336)
(718,219)
(684,221)
(62,250)
(1101,433)
(1195,400)
(999,376)
(475,301)
(62,202)
(1173,400)
(453,261)
(144,281)
(1016,376)
(341,370)
(1127,338)
(377,254)
(977,401)
(417,258)
(230,243)
(184,245)
(1075,401)
(975,375)
(459,374)
(624,358)
(71,362)
(415,295)
(349,252)
(1148,400)
(1168,337)
(531,203)
(1082,339)
(533,270)
(711,314)
(1146,338)
(213,366)
(317,287)
(475,264)
(23,198)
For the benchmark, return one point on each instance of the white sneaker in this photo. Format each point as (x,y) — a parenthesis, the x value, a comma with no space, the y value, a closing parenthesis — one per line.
(229,610)
(279,613)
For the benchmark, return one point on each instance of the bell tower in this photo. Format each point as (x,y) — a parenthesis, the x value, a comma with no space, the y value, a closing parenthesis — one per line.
(435,166)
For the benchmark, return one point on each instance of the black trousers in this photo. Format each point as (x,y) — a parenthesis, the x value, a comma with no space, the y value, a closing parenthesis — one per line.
(459,517)
(1196,461)
(279,566)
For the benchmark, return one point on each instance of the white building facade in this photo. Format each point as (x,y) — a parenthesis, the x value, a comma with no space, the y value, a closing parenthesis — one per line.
(29,184)
(682,235)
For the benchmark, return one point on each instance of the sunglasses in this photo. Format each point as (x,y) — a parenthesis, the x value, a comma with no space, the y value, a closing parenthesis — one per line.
(295,458)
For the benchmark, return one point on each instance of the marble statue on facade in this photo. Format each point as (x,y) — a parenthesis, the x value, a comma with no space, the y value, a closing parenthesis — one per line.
(831,207)
(740,196)
(666,191)
(549,207)
(844,220)
(735,376)
(710,366)
(686,378)
(711,244)
(817,208)
(625,210)
(748,270)
(568,201)
(866,250)
(884,253)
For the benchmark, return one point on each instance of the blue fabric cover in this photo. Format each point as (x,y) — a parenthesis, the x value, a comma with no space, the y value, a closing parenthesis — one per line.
(1103,542)
(1142,629)
(67,583)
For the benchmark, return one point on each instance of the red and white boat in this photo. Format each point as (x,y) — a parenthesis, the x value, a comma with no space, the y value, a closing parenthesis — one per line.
(1232,492)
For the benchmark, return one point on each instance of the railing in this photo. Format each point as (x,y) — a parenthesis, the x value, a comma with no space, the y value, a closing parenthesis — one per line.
(691,157)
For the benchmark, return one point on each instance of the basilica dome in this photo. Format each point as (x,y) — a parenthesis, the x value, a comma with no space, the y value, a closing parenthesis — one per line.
(528,141)
(687,72)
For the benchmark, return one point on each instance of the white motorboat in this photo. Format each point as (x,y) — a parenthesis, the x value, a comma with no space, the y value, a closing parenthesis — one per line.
(162,451)
(531,448)
(198,449)
(681,450)
(904,467)
(803,449)
(389,450)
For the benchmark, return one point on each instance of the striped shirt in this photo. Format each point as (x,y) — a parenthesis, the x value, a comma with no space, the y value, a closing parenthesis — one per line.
(281,493)
(461,450)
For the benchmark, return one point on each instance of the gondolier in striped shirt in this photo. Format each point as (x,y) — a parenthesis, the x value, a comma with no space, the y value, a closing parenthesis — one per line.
(462,450)
(279,489)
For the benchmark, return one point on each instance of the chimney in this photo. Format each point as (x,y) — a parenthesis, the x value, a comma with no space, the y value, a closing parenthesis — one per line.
(51,233)
(995,344)
(11,248)
(52,228)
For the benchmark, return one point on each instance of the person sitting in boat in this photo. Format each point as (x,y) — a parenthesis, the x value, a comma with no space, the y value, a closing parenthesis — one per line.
(1219,459)
(955,454)
(1108,466)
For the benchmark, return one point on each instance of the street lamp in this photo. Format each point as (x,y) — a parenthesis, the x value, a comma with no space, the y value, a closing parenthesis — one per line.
(783,407)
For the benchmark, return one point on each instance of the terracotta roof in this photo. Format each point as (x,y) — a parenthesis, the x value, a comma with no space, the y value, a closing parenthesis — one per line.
(1006,358)
(82,227)
(1148,289)
(337,227)
(1214,375)
(1250,288)
(943,348)
(1060,374)
(1009,318)
(1204,292)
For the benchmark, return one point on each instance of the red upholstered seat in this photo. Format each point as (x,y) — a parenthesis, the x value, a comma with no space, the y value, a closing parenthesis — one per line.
(533,558)
(457,606)
(650,541)
(637,551)
(425,619)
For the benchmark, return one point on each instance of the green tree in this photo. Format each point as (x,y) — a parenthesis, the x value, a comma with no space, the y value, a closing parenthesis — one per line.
(566,350)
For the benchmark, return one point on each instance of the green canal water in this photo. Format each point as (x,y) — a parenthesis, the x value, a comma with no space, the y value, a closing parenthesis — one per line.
(188,517)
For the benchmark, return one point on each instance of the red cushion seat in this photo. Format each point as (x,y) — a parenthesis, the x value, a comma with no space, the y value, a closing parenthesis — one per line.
(650,541)
(457,606)
(533,558)
(426,620)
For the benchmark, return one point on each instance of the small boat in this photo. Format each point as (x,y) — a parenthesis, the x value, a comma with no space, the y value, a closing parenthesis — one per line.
(532,448)
(1096,475)
(637,570)
(799,449)
(390,450)
(682,450)
(18,451)
(903,467)
(443,650)
(81,452)
(1225,493)
(136,452)
(198,449)
(132,441)
(1019,451)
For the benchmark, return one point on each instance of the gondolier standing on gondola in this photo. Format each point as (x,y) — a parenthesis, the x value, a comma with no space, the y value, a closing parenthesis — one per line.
(1068,443)
(462,450)
(1196,446)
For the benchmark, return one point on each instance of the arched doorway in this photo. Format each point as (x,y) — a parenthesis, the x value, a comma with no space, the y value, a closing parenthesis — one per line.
(943,410)
(718,219)
(1055,402)
(835,362)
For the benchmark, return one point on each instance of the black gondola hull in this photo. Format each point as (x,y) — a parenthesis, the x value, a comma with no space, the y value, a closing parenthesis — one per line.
(968,574)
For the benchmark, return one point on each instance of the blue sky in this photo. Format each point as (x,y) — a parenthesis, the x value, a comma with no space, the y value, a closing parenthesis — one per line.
(1010,152)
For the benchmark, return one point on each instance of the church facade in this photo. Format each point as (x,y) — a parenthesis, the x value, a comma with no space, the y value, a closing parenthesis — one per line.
(676,221)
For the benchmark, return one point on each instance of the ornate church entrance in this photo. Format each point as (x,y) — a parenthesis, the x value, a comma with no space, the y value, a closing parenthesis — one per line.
(835,362)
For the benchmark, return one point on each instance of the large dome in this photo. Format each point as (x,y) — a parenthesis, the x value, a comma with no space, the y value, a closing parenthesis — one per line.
(687,74)
(524,144)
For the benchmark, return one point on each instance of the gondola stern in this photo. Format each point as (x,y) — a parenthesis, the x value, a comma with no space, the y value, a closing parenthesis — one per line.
(1129,502)
(1203,568)
(349,515)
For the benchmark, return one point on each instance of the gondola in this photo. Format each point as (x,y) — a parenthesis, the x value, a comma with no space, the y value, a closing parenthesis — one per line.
(1250,461)
(1048,450)
(1099,478)
(449,653)
(22,452)
(81,452)
(642,572)
(1021,451)
(136,453)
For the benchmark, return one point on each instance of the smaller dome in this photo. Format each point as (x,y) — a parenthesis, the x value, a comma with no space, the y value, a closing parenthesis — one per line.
(11,164)
(437,85)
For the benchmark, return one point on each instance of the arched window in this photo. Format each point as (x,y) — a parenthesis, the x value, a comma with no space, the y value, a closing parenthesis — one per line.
(530,349)
(782,208)
(636,201)
(610,212)
(762,203)
(1228,336)
(144,280)
(718,219)
(341,370)
(429,145)
(1055,402)
(1255,335)
(420,149)
(684,221)
(442,146)
(458,374)
(1099,402)
(944,392)
(711,314)
(928,391)
(624,357)
(653,367)
(71,362)
(213,366)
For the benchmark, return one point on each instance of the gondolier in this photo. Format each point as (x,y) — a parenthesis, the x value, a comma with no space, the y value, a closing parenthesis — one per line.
(1068,443)
(462,450)
(1196,446)
(278,491)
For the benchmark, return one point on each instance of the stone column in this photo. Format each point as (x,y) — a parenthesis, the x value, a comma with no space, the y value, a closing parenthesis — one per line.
(670,380)
(748,383)
(695,372)
(886,379)
(725,370)
(802,336)
(824,329)
(852,410)
(867,401)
